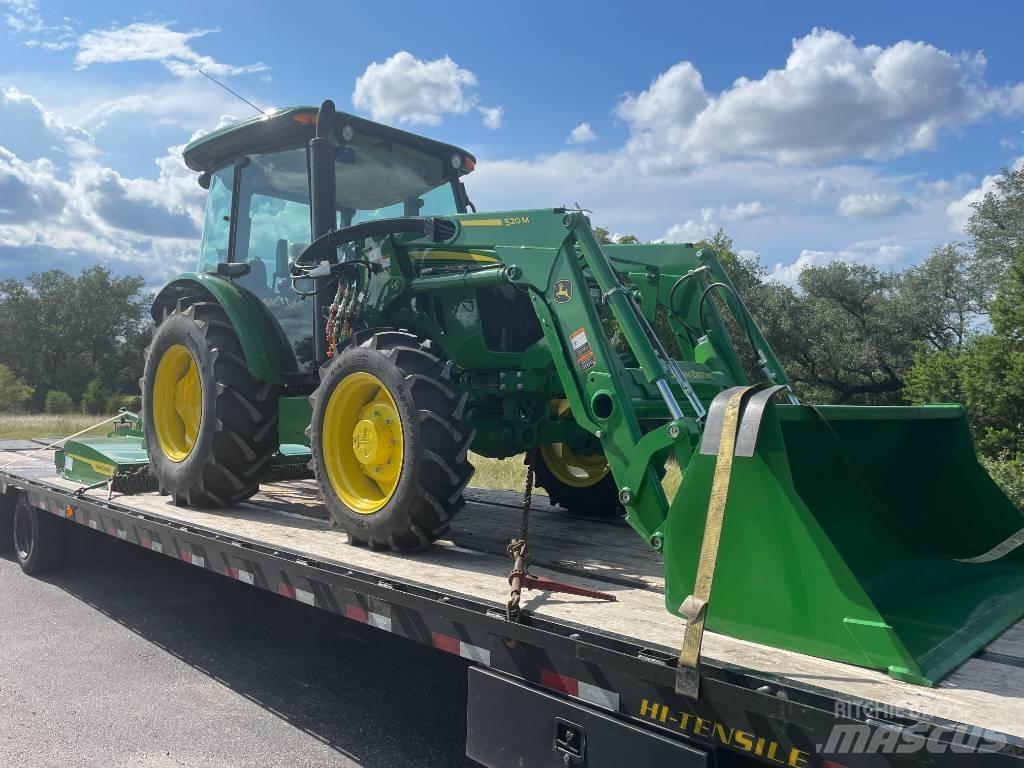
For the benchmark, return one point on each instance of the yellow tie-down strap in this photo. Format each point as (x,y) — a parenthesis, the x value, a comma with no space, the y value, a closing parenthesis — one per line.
(694,608)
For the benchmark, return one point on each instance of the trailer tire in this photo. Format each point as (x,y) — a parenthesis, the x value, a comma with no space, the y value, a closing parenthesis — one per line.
(388,441)
(599,499)
(212,448)
(7,502)
(40,539)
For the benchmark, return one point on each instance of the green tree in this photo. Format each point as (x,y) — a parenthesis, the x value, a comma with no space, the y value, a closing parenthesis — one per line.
(95,398)
(58,402)
(948,295)
(604,237)
(62,331)
(985,371)
(996,228)
(14,393)
(985,375)
(855,339)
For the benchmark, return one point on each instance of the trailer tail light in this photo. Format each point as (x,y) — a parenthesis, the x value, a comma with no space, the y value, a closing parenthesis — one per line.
(69,512)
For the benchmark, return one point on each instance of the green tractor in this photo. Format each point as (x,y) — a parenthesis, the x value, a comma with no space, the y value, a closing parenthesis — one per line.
(348,297)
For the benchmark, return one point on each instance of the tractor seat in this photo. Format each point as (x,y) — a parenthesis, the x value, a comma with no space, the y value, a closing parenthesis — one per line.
(256,280)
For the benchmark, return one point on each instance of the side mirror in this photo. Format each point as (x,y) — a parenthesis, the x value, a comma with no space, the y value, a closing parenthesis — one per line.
(204,179)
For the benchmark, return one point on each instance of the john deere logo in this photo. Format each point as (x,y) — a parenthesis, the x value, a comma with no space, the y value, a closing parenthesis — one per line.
(563,291)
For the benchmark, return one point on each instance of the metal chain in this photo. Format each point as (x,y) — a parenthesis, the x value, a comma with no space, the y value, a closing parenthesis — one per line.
(517,548)
(109,482)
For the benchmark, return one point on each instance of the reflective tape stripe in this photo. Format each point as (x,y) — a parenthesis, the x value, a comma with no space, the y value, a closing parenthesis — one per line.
(587,692)
(356,613)
(360,614)
(457,647)
(193,558)
(599,696)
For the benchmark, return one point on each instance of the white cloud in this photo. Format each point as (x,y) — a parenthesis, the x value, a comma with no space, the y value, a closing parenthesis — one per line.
(960,210)
(873,205)
(407,90)
(88,212)
(743,211)
(706,224)
(28,190)
(145,41)
(883,254)
(22,16)
(189,104)
(581,134)
(32,132)
(492,116)
(692,230)
(832,100)
(24,19)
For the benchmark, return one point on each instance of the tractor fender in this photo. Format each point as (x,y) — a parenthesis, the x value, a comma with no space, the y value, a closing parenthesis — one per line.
(257,331)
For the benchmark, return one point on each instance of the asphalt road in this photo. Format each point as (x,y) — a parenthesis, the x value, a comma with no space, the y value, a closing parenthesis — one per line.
(127,658)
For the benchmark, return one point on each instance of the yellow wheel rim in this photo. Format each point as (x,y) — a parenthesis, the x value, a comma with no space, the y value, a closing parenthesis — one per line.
(177,403)
(362,443)
(577,470)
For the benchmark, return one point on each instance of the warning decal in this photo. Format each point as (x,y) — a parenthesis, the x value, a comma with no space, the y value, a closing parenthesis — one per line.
(581,348)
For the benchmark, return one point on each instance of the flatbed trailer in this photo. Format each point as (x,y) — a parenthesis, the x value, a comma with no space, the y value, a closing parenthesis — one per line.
(576,681)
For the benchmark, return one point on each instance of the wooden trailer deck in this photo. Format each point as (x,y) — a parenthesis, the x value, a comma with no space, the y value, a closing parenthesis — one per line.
(987,691)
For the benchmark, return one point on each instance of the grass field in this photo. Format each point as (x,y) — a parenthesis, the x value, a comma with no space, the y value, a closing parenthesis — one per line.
(510,474)
(47,425)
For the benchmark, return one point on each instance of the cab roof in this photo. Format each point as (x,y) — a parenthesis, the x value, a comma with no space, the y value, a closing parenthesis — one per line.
(294,127)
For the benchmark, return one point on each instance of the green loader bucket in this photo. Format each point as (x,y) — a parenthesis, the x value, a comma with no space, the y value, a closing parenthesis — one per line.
(868,535)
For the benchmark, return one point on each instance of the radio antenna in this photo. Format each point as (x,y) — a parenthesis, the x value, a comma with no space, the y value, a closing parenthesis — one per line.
(233,93)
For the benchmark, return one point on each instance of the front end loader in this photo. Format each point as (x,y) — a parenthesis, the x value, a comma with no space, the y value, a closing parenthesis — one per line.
(349,297)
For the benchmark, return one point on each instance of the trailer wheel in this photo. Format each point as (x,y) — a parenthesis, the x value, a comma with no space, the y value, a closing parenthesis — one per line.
(580,483)
(40,538)
(210,427)
(7,502)
(389,446)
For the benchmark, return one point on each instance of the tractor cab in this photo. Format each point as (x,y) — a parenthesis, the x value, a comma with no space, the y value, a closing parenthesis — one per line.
(258,210)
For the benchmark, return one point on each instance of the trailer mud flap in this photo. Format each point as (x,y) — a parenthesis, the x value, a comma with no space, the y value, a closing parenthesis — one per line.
(511,725)
(867,535)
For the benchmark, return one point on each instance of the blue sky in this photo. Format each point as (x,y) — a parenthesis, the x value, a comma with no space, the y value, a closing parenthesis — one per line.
(861,131)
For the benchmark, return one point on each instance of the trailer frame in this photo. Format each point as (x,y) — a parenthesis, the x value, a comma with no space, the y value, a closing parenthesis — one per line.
(741,718)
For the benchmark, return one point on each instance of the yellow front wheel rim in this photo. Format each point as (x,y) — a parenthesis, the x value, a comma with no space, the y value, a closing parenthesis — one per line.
(177,403)
(362,443)
(577,470)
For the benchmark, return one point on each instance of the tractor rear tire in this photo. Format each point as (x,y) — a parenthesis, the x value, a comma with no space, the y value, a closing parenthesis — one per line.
(598,499)
(40,539)
(210,426)
(388,441)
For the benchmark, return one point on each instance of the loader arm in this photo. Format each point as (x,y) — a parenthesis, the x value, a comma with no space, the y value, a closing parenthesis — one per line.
(638,399)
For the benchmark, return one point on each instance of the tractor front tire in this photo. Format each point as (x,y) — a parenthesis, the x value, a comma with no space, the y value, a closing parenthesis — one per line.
(580,484)
(389,445)
(210,426)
